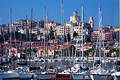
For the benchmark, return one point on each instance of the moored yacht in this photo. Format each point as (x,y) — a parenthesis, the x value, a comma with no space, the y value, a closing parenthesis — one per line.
(8,74)
(24,73)
(81,76)
(116,75)
(79,73)
(100,74)
(65,75)
(46,75)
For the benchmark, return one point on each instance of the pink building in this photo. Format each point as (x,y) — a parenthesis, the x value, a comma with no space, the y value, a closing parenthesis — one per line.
(105,35)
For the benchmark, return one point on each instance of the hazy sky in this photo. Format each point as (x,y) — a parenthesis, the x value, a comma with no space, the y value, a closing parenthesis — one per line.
(21,8)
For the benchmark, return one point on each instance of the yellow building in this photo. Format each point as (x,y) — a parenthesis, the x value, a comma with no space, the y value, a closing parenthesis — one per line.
(117,29)
(49,52)
(50,24)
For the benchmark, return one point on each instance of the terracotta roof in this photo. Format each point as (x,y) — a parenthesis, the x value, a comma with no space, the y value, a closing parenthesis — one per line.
(77,37)
(96,30)
(49,21)
(5,28)
(55,39)
(49,47)
(13,41)
(112,31)
(66,46)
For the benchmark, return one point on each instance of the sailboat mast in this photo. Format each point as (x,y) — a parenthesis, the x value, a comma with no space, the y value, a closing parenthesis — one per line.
(61,11)
(99,41)
(10,28)
(31,32)
(82,31)
(26,33)
(45,32)
(65,37)
(119,29)
(62,19)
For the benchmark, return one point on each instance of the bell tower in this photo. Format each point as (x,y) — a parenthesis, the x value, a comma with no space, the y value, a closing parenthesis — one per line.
(91,21)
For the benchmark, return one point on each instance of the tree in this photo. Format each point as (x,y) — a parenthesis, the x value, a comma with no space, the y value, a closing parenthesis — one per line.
(1,39)
(18,35)
(75,34)
(113,50)
(87,38)
(68,37)
(51,34)
(68,51)
(33,37)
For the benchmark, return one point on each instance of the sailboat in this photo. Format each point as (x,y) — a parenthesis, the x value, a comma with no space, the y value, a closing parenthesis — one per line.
(116,74)
(44,74)
(79,73)
(24,72)
(99,72)
(9,74)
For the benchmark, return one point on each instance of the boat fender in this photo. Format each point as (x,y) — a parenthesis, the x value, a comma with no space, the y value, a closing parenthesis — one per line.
(94,68)
(28,72)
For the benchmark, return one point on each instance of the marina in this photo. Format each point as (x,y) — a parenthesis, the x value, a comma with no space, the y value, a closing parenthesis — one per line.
(34,49)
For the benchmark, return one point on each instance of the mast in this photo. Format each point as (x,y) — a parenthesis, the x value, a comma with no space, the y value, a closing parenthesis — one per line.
(63,26)
(45,32)
(14,29)
(100,36)
(10,29)
(103,41)
(82,31)
(26,33)
(45,19)
(119,29)
(65,37)
(64,30)
(62,12)
(31,33)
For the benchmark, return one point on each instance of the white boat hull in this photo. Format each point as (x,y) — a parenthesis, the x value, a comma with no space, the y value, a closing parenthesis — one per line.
(101,77)
(26,75)
(116,77)
(80,76)
(44,76)
(13,75)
